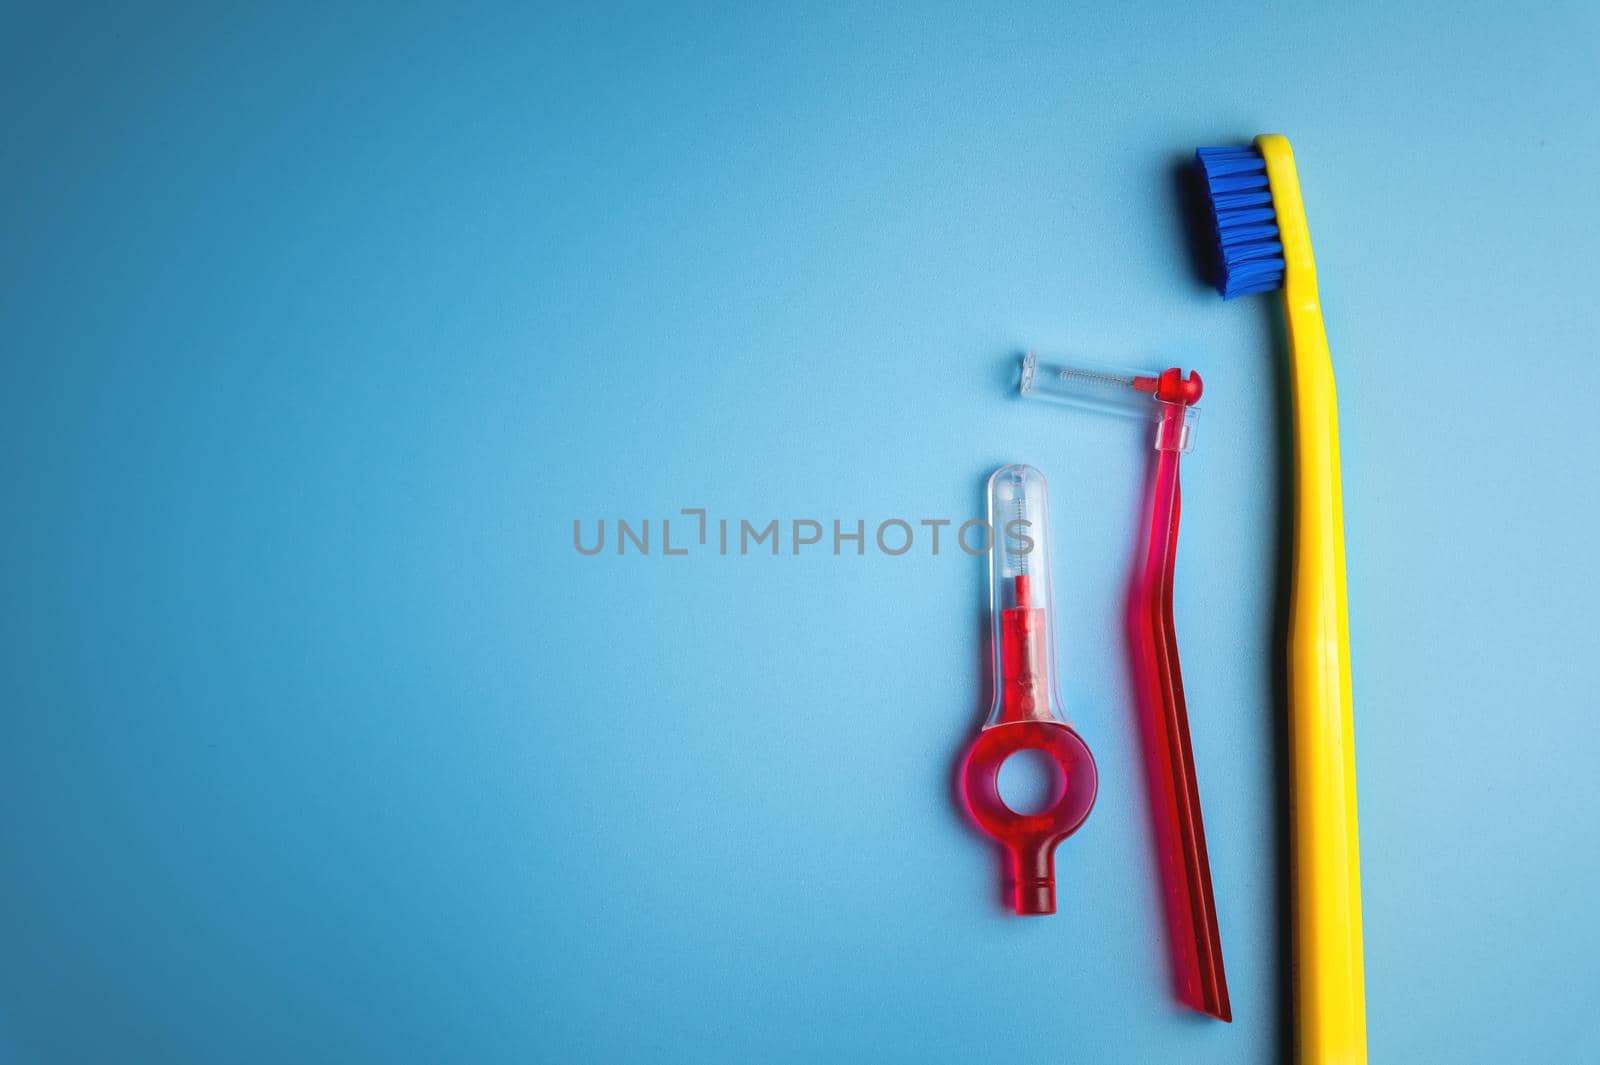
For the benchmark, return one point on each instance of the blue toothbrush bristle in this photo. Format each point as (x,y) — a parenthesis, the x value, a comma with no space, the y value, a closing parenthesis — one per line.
(1249,254)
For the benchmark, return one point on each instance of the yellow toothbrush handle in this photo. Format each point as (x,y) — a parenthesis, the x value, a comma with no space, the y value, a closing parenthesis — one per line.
(1330,992)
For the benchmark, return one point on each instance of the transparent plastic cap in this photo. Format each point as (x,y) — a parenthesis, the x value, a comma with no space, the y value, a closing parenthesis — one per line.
(1020,597)
(1103,388)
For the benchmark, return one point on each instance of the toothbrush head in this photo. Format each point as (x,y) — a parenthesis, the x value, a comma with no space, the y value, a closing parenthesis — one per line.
(1258,218)
(1248,251)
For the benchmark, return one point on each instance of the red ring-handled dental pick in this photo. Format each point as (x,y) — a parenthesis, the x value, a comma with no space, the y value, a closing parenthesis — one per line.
(1030,839)
(1024,715)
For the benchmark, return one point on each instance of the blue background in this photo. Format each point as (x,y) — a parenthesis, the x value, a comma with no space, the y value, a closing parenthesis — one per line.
(320,327)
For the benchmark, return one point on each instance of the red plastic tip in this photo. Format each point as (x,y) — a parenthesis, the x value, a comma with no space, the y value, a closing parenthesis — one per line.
(1172,387)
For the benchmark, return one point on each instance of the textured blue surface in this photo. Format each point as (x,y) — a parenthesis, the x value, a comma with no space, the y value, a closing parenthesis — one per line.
(318,328)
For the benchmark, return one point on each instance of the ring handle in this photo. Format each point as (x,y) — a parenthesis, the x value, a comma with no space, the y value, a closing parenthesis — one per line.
(1030,839)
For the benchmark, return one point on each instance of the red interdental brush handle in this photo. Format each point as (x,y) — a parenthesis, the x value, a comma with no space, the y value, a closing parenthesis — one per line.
(1197,941)
(1026,723)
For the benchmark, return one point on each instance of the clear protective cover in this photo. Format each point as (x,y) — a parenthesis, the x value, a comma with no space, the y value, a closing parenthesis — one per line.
(1020,597)
(1105,388)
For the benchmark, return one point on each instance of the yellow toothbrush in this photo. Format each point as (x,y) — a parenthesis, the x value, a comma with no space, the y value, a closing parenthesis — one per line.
(1264,245)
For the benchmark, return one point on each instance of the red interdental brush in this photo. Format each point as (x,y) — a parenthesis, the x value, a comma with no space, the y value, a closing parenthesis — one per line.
(1027,713)
(1175,793)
